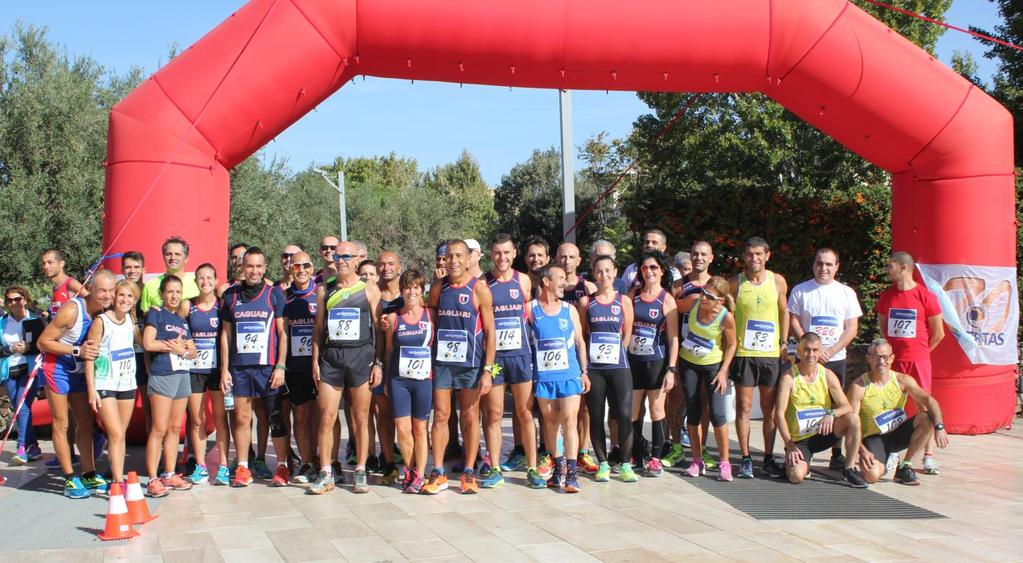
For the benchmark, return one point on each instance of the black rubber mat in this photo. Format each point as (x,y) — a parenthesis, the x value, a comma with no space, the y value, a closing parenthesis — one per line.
(816,498)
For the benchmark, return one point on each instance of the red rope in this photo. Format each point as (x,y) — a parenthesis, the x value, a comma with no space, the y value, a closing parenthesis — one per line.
(945,25)
(664,130)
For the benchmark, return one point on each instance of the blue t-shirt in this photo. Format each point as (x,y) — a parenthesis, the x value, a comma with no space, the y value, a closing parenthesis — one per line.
(168,327)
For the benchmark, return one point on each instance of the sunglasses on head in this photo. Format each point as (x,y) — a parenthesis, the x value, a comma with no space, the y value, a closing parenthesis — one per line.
(345,257)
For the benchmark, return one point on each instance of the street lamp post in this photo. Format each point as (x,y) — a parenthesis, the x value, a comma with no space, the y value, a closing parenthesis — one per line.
(340,187)
(567,166)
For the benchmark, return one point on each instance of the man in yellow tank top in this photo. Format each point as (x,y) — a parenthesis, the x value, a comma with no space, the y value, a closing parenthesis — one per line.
(814,414)
(761,326)
(879,399)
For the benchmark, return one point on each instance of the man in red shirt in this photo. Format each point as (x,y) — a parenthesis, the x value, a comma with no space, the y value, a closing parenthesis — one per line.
(910,320)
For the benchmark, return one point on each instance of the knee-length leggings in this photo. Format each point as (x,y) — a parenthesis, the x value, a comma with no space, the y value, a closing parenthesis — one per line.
(695,379)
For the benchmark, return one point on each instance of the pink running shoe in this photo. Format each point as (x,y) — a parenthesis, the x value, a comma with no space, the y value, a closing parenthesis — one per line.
(724,471)
(695,469)
(653,467)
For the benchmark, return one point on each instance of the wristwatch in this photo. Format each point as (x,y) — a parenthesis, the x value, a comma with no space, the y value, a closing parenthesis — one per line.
(830,412)
(938,427)
(76,351)
(673,370)
(281,367)
(377,363)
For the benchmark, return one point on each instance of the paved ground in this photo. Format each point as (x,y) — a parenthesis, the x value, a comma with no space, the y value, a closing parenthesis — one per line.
(980,490)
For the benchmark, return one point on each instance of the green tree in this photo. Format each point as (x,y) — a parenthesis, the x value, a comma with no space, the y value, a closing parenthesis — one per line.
(1007,85)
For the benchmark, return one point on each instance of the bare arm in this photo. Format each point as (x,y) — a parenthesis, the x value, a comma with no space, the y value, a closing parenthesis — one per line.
(96,334)
(580,348)
(486,301)
(781,405)
(795,326)
(783,313)
(671,325)
(318,331)
(49,340)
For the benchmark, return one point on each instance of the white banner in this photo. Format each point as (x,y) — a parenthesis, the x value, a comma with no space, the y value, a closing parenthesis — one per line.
(980,305)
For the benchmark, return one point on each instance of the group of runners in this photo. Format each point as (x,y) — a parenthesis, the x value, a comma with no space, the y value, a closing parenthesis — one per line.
(414,359)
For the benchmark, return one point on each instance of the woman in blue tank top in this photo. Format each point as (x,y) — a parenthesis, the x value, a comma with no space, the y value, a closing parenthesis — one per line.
(653,353)
(559,365)
(607,324)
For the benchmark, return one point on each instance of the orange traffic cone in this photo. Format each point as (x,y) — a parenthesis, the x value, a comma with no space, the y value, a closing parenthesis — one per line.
(118,524)
(138,512)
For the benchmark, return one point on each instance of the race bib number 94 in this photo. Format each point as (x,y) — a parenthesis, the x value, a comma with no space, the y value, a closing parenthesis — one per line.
(902,323)
(250,337)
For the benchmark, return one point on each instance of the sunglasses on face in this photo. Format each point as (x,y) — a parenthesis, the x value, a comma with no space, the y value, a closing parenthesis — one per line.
(17,299)
(710,295)
(885,358)
(345,257)
(650,267)
(287,255)
(326,248)
(302,266)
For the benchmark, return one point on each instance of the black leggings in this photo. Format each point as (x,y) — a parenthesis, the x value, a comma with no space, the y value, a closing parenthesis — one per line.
(697,378)
(614,386)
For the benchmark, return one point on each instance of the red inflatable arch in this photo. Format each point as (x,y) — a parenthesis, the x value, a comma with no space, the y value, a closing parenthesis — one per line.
(946,143)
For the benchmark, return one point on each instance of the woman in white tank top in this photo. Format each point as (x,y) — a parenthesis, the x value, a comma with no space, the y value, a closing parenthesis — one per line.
(110,378)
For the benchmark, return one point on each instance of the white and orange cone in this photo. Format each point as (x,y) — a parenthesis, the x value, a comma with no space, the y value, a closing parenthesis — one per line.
(118,524)
(138,512)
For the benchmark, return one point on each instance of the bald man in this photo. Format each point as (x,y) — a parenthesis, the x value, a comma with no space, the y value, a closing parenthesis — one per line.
(568,258)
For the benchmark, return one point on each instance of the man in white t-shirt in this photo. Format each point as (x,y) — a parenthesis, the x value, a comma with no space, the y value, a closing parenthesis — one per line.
(829,308)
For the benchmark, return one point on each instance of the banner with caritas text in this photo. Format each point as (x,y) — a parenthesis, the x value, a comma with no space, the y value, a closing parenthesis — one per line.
(980,304)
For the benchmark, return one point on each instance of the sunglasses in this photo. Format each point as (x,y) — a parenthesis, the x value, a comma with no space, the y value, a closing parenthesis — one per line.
(886,357)
(326,247)
(345,257)
(302,266)
(710,295)
(17,299)
(287,255)
(650,267)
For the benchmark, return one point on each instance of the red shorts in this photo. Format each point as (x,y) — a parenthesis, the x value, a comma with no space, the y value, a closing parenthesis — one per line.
(920,371)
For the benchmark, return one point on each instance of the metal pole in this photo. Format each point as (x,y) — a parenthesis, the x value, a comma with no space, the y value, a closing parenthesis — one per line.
(344,209)
(567,166)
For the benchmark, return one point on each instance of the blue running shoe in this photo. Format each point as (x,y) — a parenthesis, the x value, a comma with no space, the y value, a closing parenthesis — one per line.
(20,458)
(492,480)
(73,488)
(685,440)
(535,480)
(516,459)
(34,452)
(96,482)
(223,476)
(261,470)
(199,475)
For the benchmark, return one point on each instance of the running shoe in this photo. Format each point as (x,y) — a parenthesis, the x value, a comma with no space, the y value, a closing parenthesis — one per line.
(20,458)
(223,476)
(696,468)
(176,483)
(338,472)
(930,465)
(837,462)
(415,486)
(603,473)
(361,483)
(534,479)
(73,488)
(95,482)
(55,463)
(242,477)
(545,466)
(261,470)
(588,464)
(407,479)
(516,459)
(626,473)
(854,479)
(571,481)
(493,480)
(773,470)
(892,463)
(438,482)
(199,474)
(724,471)
(746,468)
(906,476)
(675,454)
(653,467)
(324,483)
(282,476)
(468,482)
(156,488)
(233,468)
(685,439)
(99,443)
(390,477)
(708,460)
(614,457)
(34,452)
(303,475)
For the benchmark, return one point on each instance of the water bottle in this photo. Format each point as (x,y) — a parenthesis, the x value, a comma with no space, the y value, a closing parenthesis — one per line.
(229,400)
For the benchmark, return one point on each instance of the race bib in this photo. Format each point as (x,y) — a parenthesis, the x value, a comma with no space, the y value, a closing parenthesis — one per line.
(414,362)
(122,364)
(452,346)
(343,324)
(828,328)
(809,420)
(205,353)
(551,355)
(698,346)
(890,420)
(902,323)
(179,363)
(642,343)
(759,336)
(605,348)
(250,337)
(509,333)
(301,341)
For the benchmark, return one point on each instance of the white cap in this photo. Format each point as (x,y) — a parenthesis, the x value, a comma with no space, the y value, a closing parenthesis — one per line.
(474,244)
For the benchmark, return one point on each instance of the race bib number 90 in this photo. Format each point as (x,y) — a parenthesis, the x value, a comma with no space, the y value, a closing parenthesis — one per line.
(827,328)
(509,333)
(760,336)
(452,346)
(605,348)
(205,353)
(414,362)
(551,355)
(250,337)
(809,420)
(902,323)
(343,324)
(301,341)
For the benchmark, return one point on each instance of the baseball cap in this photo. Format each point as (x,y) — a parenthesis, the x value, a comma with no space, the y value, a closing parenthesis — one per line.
(473,244)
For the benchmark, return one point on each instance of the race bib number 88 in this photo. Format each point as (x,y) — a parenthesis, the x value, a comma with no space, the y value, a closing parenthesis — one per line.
(343,324)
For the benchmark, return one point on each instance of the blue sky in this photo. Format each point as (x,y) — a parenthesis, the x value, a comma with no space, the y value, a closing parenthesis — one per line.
(431,122)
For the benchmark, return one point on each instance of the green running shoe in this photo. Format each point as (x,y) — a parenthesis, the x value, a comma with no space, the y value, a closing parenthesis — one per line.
(73,488)
(493,479)
(603,473)
(535,480)
(708,461)
(626,473)
(95,483)
(676,454)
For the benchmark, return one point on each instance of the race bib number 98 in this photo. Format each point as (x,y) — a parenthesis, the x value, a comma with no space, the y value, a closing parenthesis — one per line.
(452,346)
(902,323)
